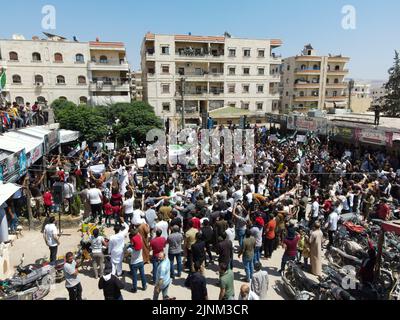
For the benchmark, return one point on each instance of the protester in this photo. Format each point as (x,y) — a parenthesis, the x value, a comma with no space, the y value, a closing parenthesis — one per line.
(52,238)
(197,284)
(226,280)
(163,279)
(72,281)
(110,284)
(259,282)
(316,238)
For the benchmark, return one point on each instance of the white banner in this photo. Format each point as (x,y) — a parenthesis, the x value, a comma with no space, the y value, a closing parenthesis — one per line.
(98,169)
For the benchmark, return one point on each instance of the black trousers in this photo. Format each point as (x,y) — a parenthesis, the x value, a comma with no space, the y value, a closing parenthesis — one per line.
(208,250)
(331,235)
(75,293)
(96,210)
(269,247)
(53,254)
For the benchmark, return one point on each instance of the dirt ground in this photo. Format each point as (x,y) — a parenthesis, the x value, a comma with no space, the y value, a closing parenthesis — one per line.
(33,247)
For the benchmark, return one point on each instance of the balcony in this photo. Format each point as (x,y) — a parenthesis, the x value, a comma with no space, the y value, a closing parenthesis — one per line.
(200,76)
(308,58)
(342,72)
(189,110)
(189,54)
(276,59)
(109,65)
(306,98)
(306,85)
(336,98)
(109,84)
(338,59)
(336,85)
(307,71)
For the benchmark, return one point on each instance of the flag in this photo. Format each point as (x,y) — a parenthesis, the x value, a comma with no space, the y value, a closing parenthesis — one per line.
(3,81)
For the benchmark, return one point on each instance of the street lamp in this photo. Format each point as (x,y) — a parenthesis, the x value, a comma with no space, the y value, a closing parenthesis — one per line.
(183,101)
(351,87)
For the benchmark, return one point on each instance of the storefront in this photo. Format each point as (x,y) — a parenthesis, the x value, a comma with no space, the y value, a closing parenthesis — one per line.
(307,124)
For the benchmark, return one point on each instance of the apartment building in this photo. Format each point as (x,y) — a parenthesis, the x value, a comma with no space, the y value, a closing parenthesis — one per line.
(136,86)
(310,81)
(216,71)
(55,68)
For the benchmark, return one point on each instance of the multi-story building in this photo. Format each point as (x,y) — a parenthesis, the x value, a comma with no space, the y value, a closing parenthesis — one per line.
(216,71)
(136,86)
(310,81)
(53,68)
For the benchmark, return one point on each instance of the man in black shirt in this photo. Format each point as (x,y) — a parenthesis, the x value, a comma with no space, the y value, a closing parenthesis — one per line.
(199,251)
(224,249)
(208,236)
(110,284)
(197,284)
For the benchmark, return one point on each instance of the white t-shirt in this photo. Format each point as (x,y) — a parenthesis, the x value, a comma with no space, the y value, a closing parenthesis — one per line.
(315,209)
(333,221)
(137,217)
(128,206)
(230,232)
(163,226)
(94,196)
(51,233)
(136,256)
(68,190)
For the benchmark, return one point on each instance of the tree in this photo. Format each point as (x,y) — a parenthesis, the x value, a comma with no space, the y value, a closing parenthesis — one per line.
(391,101)
(87,120)
(135,120)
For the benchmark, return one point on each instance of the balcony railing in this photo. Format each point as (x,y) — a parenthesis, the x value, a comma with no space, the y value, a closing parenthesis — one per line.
(110,81)
(188,110)
(199,74)
(306,69)
(198,53)
(109,62)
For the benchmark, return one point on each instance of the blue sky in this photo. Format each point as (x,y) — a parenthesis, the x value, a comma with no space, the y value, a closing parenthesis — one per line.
(297,22)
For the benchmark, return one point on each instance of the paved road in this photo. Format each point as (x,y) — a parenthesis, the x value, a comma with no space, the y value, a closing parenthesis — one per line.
(32,245)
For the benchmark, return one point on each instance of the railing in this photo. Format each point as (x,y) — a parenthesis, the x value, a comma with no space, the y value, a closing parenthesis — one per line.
(343,70)
(306,69)
(199,74)
(110,81)
(197,53)
(110,62)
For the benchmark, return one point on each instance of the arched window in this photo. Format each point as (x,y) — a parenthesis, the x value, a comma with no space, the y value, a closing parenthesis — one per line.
(58,57)
(36,57)
(63,98)
(334,94)
(39,78)
(337,68)
(79,58)
(41,99)
(303,67)
(315,67)
(81,80)
(336,81)
(103,59)
(301,93)
(83,100)
(19,100)
(16,79)
(60,80)
(13,56)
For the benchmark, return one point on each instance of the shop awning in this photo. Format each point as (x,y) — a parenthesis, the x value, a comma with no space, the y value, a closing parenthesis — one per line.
(229,112)
(67,136)
(7,190)
(30,142)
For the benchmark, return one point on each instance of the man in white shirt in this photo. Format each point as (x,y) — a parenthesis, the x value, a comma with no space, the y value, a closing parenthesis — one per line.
(163,226)
(128,207)
(69,191)
(137,215)
(314,211)
(116,248)
(95,198)
(332,225)
(51,237)
(247,294)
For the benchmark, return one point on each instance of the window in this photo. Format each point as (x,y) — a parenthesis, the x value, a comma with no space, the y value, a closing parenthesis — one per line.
(232,52)
(231,88)
(232,104)
(165,69)
(79,58)
(181,71)
(287,94)
(261,71)
(337,81)
(41,99)
(245,106)
(288,68)
(334,94)
(103,59)
(260,88)
(316,67)
(337,68)
(327,81)
(81,80)
(303,67)
(83,100)
(246,52)
(60,80)
(164,50)
(63,98)
(246,71)
(166,107)
(19,100)
(301,94)
(261,53)
(165,88)
(58,58)
(260,106)
(38,79)
(246,88)
(13,56)
(16,79)
(232,71)
(36,57)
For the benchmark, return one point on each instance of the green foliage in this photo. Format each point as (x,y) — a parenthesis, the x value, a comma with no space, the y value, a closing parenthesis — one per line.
(391,102)
(135,120)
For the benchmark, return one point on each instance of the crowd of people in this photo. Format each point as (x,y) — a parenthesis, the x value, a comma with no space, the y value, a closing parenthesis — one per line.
(16,116)
(184,219)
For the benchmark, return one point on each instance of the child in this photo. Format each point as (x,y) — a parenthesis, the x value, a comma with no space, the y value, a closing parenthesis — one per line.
(303,248)
(108,212)
(48,202)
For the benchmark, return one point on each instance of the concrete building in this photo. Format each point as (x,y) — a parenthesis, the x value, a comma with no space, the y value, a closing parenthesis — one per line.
(218,72)
(310,81)
(53,68)
(377,93)
(136,86)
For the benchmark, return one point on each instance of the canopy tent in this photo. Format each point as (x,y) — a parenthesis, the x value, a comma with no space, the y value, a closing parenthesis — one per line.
(229,112)
(7,190)
(67,136)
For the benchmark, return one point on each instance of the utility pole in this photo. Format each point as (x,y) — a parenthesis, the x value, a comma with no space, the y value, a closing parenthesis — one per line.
(183,102)
(351,87)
